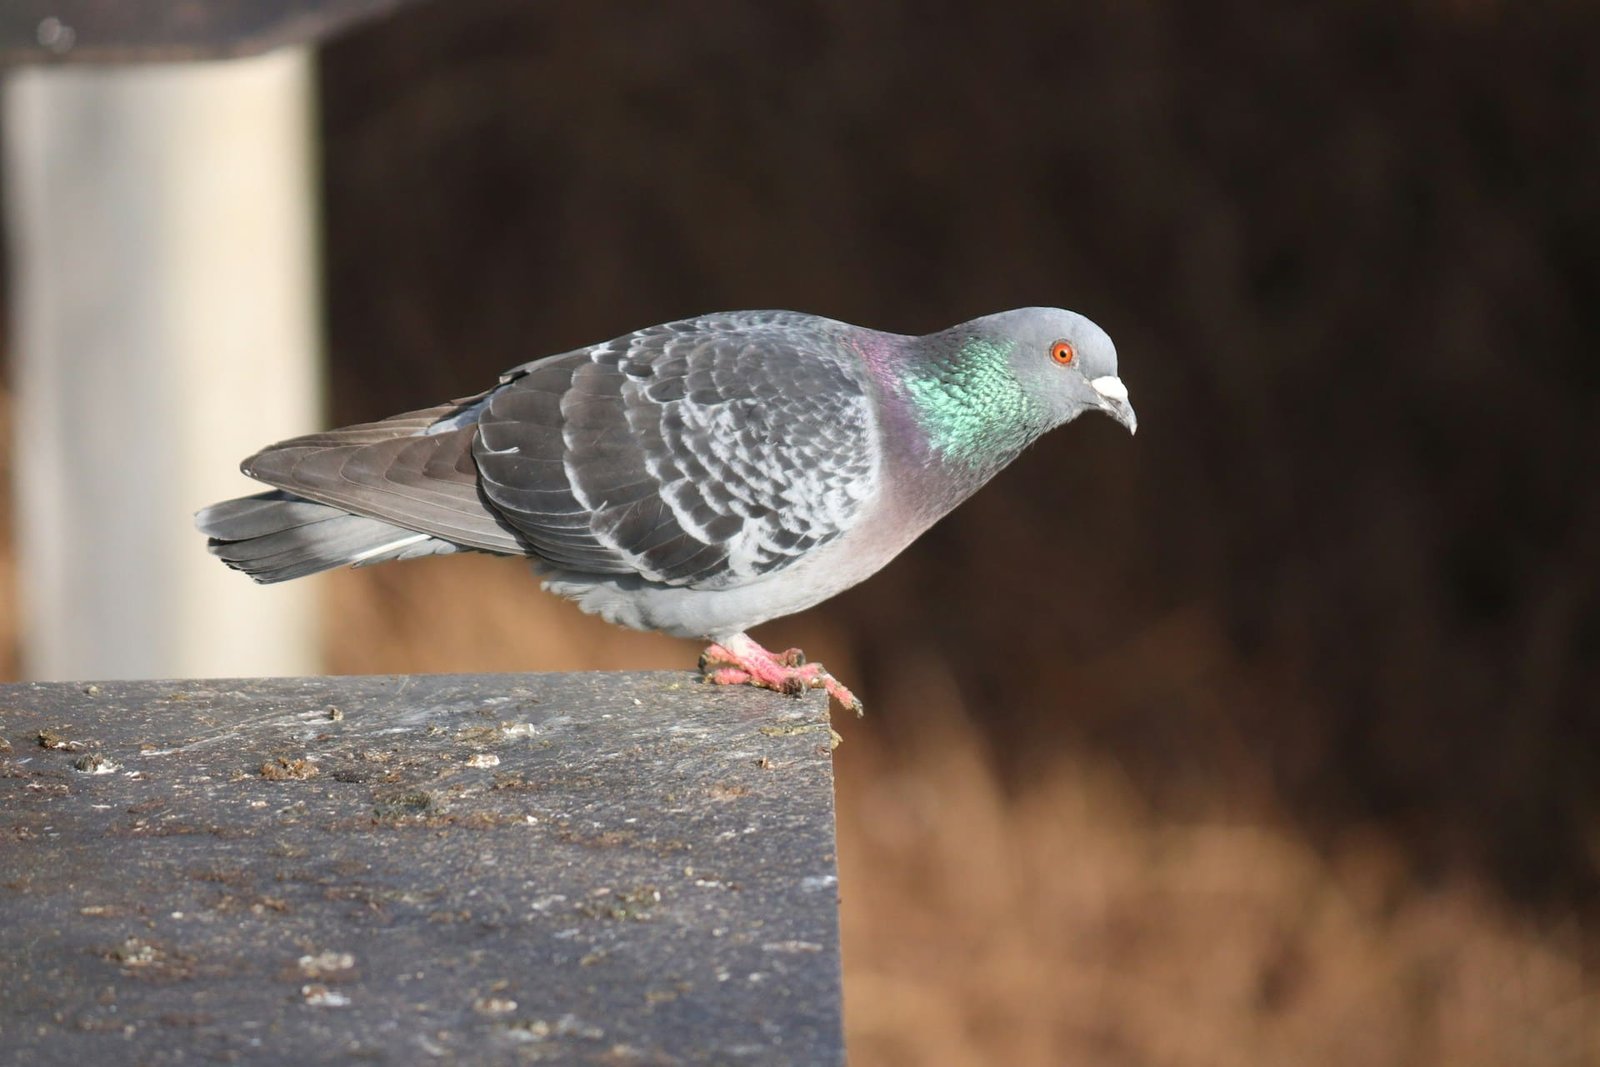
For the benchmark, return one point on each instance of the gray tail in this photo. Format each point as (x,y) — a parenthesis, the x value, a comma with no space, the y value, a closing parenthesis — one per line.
(276,536)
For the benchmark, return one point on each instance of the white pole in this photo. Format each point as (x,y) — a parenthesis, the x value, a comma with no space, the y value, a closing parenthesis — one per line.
(164,308)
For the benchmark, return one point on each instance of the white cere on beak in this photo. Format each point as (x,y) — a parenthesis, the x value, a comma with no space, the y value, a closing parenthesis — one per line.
(1110,387)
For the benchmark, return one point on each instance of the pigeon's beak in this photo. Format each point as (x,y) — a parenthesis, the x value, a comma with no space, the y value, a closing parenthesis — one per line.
(1114,400)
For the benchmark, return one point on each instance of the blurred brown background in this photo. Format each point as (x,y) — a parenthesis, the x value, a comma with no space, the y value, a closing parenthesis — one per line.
(1268,736)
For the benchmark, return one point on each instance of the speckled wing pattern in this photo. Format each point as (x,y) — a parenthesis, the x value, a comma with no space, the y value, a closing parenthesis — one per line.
(701,453)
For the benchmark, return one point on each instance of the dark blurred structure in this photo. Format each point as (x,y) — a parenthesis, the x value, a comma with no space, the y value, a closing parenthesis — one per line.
(1348,251)
(135,31)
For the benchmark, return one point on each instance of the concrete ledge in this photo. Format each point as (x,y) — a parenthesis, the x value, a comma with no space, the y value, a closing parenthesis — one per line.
(610,868)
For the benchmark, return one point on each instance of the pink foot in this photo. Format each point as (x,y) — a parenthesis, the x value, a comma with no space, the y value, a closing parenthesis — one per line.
(740,661)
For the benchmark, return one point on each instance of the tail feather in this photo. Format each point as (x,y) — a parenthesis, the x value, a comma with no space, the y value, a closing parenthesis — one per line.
(276,536)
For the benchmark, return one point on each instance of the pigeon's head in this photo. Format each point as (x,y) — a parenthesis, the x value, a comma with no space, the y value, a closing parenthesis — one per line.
(1062,360)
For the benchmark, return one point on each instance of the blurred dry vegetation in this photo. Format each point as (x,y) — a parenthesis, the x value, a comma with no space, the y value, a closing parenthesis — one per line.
(1269,736)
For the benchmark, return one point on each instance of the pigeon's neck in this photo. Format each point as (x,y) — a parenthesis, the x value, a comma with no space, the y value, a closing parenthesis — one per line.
(963,414)
(972,412)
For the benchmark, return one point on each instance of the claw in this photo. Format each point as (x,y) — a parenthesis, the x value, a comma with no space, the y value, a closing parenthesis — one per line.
(740,661)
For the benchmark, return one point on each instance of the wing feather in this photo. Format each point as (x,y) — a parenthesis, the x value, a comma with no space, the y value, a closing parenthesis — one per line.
(397,471)
(704,453)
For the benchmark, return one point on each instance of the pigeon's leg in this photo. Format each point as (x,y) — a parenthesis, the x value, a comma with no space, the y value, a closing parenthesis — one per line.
(740,661)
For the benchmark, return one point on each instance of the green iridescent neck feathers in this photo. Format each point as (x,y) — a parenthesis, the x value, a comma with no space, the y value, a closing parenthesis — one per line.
(971,405)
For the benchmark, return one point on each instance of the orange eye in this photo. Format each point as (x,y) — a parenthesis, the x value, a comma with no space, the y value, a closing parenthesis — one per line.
(1062,352)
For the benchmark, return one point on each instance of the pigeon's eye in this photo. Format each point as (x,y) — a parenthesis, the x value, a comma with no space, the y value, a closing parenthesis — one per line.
(1062,352)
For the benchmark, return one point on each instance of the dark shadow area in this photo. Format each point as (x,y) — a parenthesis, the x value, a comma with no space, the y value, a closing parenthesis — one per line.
(1349,256)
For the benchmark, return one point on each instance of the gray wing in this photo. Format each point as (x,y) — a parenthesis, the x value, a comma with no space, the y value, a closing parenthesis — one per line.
(701,453)
(414,471)
(706,452)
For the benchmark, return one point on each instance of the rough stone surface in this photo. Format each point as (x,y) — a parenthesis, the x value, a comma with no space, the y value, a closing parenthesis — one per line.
(608,868)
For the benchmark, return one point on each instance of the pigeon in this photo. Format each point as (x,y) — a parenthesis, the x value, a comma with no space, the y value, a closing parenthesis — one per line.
(699,478)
